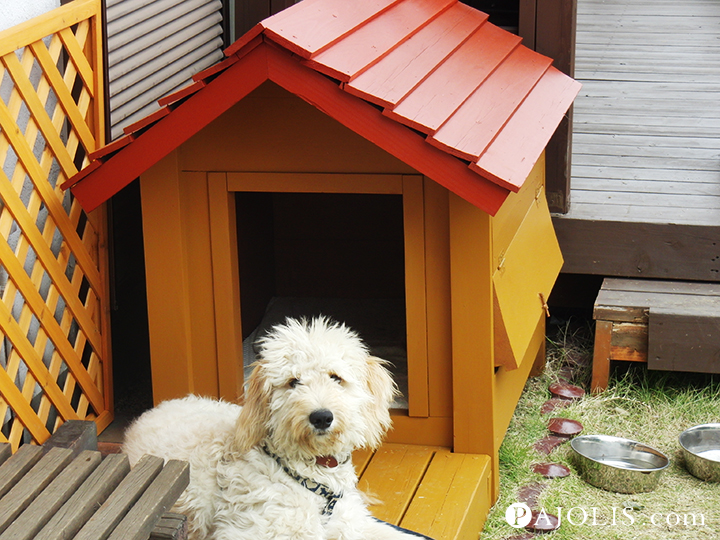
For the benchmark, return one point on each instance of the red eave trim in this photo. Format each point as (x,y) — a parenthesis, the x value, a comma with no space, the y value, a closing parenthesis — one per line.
(171,131)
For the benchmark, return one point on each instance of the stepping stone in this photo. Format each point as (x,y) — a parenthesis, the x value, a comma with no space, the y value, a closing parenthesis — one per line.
(566,391)
(549,443)
(555,403)
(530,494)
(564,427)
(551,470)
(524,536)
(542,522)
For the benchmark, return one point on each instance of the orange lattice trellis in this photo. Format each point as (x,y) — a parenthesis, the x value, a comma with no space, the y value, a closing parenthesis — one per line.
(53,322)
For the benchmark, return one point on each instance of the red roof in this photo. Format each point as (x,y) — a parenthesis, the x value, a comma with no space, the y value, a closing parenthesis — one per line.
(429,81)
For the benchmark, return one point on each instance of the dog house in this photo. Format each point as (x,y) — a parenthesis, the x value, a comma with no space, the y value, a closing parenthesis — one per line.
(378,162)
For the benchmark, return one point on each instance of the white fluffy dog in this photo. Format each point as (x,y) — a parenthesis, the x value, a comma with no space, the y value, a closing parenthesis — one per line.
(279,467)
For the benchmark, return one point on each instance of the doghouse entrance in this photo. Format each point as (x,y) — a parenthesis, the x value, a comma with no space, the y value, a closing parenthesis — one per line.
(337,254)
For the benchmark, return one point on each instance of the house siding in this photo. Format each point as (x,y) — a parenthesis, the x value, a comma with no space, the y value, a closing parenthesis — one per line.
(154,49)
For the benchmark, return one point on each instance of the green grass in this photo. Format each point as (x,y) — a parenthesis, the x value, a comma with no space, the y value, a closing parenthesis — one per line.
(651,407)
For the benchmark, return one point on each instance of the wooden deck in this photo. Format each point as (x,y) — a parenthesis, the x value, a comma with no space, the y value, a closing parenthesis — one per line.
(645,198)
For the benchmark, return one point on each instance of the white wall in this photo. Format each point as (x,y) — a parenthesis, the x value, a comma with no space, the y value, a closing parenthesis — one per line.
(13,12)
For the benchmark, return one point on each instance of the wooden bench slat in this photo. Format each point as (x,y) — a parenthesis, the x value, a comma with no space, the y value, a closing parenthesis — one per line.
(82,505)
(450,502)
(27,524)
(170,527)
(77,435)
(633,306)
(5,452)
(34,481)
(157,499)
(15,467)
(130,489)
(666,287)
(394,474)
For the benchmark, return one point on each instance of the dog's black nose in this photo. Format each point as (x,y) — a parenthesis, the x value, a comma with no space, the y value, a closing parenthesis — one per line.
(321,419)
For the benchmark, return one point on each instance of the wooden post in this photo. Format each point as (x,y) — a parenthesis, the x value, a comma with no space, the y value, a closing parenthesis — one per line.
(555,30)
(472,331)
(226,287)
(168,309)
(601,357)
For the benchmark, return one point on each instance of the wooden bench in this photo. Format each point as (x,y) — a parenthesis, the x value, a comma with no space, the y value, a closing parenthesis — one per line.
(55,492)
(672,326)
(427,489)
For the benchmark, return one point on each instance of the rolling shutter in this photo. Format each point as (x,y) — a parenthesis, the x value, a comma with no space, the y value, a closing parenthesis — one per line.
(154,48)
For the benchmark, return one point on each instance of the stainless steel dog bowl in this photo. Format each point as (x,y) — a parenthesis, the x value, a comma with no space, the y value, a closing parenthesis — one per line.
(701,450)
(618,464)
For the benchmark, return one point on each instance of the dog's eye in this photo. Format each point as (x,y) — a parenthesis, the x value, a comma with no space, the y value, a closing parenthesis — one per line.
(336,378)
(292,383)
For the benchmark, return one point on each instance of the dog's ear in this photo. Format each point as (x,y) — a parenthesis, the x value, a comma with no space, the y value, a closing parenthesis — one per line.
(383,389)
(251,426)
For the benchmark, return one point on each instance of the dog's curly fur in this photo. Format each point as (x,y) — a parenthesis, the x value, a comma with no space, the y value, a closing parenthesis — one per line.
(240,487)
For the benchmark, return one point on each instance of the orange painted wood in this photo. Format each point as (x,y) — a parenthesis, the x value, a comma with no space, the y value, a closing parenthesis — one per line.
(243,45)
(225,286)
(368,122)
(528,131)
(83,173)
(108,149)
(246,38)
(433,430)
(305,28)
(147,121)
(172,99)
(415,295)
(215,69)
(473,360)
(398,72)
(428,106)
(369,43)
(194,114)
(601,356)
(469,131)
(437,276)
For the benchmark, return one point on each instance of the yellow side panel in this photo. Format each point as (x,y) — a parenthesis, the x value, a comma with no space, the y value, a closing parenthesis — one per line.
(509,384)
(508,219)
(454,498)
(523,279)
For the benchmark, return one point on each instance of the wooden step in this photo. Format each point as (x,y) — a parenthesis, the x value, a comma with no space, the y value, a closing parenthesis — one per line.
(427,489)
(671,325)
